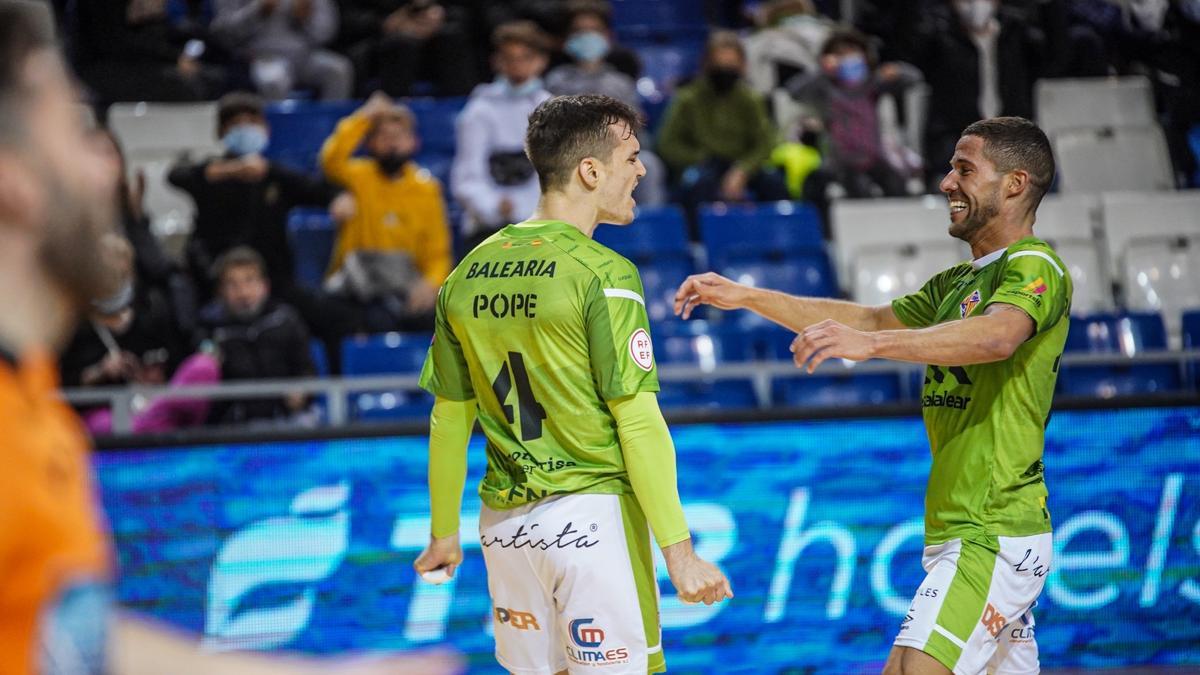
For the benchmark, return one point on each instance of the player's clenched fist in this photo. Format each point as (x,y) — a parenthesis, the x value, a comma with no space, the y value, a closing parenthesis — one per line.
(695,579)
(709,288)
(443,553)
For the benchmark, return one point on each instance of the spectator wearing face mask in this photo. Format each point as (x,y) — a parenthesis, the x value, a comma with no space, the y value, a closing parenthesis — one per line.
(716,135)
(395,214)
(254,337)
(843,100)
(980,61)
(788,44)
(491,177)
(241,197)
(588,44)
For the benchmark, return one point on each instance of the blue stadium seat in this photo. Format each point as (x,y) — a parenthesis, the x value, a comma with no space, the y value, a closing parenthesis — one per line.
(769,231)
(634,19)
(435,123)
(802,273)
(298,128)
(320,358)
(660,280)
(656,232)
(666,66)
(700,344)
(1191,340)
(387,354)
(714,395)
(311,233)
(696,344)
(1124,333)
(836,390)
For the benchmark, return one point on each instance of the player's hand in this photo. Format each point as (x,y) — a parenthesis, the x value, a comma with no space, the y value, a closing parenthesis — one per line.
(343,207)
(422,296)
(695,579)
(377,104)
(733,184)
(709,288)
(830,340)
(444,552)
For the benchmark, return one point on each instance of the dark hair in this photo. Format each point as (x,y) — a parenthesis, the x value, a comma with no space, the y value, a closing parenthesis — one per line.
(843,38)
(567,129)
(1016,143)
(238,256)
(25,28)
(521,32)
(238,103)
(723,39)
(597,8)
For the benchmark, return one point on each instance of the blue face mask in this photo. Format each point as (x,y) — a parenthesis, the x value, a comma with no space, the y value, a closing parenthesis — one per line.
(587,46)
(246,139)
(530,86)
(852,69)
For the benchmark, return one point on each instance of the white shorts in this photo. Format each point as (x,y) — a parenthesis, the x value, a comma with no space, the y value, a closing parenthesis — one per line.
(974,611)
(573,586)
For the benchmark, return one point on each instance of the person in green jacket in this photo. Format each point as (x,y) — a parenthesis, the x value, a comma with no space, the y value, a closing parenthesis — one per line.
(716,135)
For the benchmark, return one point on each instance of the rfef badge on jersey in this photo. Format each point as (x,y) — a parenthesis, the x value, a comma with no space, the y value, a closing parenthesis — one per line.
(641,350)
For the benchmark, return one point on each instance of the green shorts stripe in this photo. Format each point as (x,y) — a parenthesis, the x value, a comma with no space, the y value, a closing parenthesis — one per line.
(641,557)
(965,600)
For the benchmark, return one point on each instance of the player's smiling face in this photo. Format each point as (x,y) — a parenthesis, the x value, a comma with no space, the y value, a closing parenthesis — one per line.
(623,170)
(972,188)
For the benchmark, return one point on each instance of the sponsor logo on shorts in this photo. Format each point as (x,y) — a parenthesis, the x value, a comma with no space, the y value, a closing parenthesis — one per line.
(641,350)
(1031,566)
(525,538)
(927,592)
(517,619)
(969,303)
(908,618)
(589,649)
(993,621)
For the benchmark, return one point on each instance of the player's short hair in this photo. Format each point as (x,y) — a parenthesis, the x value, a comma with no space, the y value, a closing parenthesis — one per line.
(1013,143)
(238,256)
(723,39)
(238,103)
(25,28)
(523,32)
(565,130)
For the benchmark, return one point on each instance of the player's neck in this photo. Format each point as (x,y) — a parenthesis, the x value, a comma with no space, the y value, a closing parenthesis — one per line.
(579,213)
(34,315)
(999,235)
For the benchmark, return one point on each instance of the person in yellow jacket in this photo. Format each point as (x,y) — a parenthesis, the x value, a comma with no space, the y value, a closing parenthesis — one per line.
(393,205)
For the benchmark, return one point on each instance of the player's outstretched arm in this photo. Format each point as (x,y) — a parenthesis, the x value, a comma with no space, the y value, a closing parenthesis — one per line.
(989,337)
(790,311)
(449,432)
(650,460)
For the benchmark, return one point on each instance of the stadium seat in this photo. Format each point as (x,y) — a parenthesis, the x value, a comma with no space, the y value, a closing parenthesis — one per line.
(665,67)
(656,233)
(299,128)
(660,280)
(1097,161)
(1127,215)
(850,389)
(1120,334)
(1072,216)
(1093,286)
(744,232)
(895,222)
(320,358)
(802,273)
(311,234)
(883,273)
(1163,274)
(700,347)
(387,354)
(660,19)
(1094,103)
(435,123)
(710,394)
(1191,342)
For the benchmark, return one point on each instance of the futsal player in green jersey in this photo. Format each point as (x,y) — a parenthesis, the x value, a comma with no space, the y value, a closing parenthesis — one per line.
(992,331)
(543,334)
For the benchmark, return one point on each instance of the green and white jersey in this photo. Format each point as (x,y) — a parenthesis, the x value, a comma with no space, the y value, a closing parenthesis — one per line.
(986,422)
(541,325)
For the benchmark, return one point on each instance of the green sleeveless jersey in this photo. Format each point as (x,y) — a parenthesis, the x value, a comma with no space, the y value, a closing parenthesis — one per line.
(986,422)
(542,326)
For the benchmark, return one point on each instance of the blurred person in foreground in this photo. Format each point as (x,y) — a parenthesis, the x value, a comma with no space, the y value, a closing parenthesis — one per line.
(543,334)
(56,564)
(995,328)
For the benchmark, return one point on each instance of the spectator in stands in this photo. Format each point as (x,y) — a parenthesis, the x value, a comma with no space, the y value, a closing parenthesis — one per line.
(127,50)
(716,135)
(789,44)
(491,177)
(980,61)
(589,43)
(583,16)
(283,42)
(393,242)
(843,99)
(255,336)
(241,197)
(400,42)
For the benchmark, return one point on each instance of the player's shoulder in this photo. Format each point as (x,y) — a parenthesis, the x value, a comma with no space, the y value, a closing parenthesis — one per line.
(1032,250)
(611,269)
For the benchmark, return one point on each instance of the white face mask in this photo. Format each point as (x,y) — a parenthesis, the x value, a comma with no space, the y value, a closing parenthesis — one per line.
(976,13)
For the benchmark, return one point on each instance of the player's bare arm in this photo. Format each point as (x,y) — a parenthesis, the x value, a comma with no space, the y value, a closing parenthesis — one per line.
(790,311)
(992,336)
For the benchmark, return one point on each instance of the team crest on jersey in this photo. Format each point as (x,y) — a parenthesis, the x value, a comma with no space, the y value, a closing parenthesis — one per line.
(969,304)
(641,350)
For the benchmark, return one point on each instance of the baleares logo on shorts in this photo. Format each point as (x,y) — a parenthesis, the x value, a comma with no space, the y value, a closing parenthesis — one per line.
(641,350)
(588,644)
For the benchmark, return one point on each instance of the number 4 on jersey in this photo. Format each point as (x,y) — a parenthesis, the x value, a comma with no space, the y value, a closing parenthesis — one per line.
(532,412)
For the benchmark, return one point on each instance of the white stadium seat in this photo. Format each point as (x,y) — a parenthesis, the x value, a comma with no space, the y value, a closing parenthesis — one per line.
(1085,259)
(1163,274)
(1100,160)
(884,272)
(1094,103)
(895,222)
(1129,214)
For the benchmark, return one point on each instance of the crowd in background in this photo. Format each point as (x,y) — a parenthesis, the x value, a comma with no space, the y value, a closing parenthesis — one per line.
(789,102)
